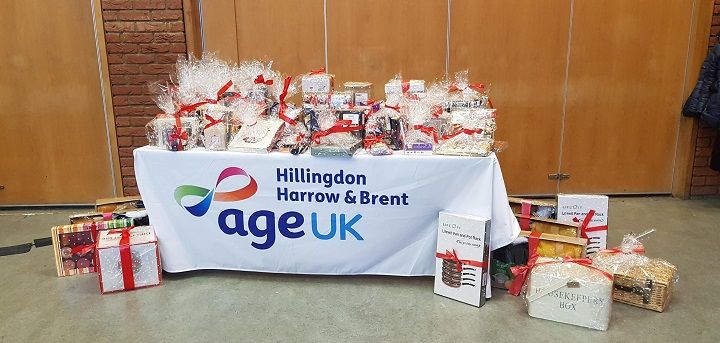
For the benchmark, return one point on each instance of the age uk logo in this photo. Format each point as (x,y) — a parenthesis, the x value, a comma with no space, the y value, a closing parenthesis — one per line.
(208,195)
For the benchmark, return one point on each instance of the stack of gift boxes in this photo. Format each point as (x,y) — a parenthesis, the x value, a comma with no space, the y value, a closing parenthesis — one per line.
(247,108)
(560,264)
(115,241)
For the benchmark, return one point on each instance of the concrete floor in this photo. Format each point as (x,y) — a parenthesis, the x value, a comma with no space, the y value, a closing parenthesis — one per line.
(219,306)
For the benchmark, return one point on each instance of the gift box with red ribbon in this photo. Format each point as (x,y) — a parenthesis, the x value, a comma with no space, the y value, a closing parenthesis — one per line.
(463,251)
(128,259)
(591,211)
(74,245)
(570,291)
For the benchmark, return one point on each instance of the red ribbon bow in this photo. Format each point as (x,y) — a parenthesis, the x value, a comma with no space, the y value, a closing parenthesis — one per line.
(586,222)
(260,80)
(283,105)
(125,257)
(179,134)
(396,108)
(521,272)
(340,126)
(436,111)
(317,71)
(372,140)
(212,121)
(83,249)
(452,255)
(463,130)
(430,131)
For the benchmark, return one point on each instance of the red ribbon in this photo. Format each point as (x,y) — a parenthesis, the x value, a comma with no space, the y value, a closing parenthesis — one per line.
(179,134)
(213,121)
(283,105)
(370,141)
(260,80)
(317,71)
(430,131)
(83,249)
(584,226)
(125,257)
(585,262)
(521,272)
(405,86)
(452,255)
(638,249)
(525,215)
(465,131)
(340,126)
(436,111)
(396,108)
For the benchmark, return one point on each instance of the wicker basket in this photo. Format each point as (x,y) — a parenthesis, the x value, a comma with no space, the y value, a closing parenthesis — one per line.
(649,286)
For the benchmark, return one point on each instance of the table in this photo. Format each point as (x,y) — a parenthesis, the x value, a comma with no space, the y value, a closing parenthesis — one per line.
(313,215)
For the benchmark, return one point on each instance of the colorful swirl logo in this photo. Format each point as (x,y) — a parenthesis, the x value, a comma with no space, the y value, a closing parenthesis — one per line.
(208,195)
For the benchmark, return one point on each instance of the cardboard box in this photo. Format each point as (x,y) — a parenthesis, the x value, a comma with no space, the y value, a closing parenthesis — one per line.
(317,83)
(128,259)
(538,207)
(118,204)
(573,208)
(553,246)
(570,293)
(463,253)
(74,245)
(549,226)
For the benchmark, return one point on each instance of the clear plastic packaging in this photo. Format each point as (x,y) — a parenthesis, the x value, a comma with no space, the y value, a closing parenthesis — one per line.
(473,133)
(317,81)
(335,138)
(128,259)
(388,123)
(570,291)
(215,127)
(639,280)
(177,133)
(361,92)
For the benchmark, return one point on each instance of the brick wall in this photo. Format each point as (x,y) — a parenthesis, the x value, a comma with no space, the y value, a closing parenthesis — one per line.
(144,39)
(705,181)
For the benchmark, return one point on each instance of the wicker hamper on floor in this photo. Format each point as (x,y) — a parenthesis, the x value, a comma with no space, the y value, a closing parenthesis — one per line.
(648,286)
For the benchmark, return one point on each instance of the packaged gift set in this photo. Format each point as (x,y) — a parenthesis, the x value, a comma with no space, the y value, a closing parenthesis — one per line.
(128,259)
(74,245)
(119,204)
(570,291)
(462,258)
(639,280)
(574,208)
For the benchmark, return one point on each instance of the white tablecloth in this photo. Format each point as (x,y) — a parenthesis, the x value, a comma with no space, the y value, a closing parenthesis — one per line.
(253,212)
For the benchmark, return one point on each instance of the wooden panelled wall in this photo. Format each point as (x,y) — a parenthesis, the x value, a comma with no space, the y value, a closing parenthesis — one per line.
(589,88)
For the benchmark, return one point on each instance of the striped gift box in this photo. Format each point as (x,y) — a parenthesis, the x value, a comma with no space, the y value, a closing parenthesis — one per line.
(68,240)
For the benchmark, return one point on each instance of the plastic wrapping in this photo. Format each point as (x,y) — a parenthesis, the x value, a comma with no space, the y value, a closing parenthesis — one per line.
(215,126)
(177,133)
(142,259)
(388,123)
(336,137)
(473,133)
(571,292)
(317,81)
(465,95)
(259,137)
(396,88)
(639,280)
(361,92)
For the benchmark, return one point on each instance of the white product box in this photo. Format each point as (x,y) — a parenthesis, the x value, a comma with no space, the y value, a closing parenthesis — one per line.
(394,87)
(573,208)
(143,259)
(317,83)
(463,243)
(569,293)
(259,138)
